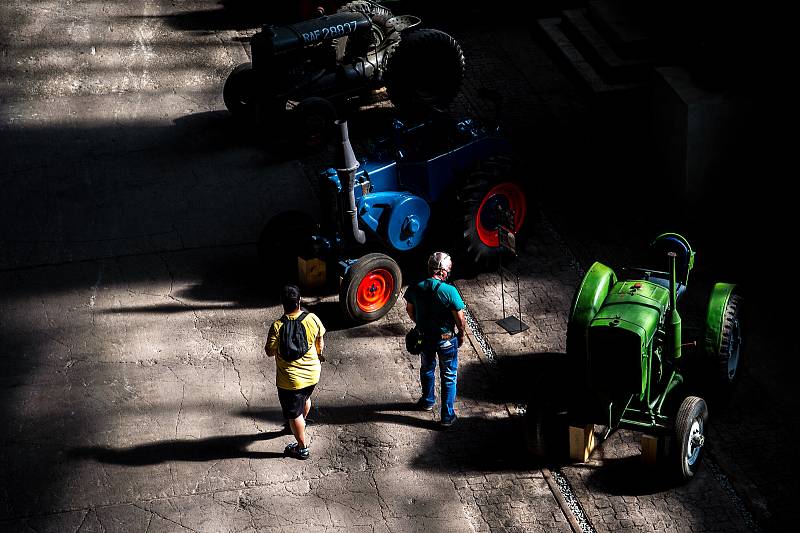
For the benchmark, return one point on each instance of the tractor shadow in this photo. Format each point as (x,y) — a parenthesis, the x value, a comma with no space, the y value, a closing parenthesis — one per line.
(213,132)
(628,476)
(491,433)
(229,278)
(236,15)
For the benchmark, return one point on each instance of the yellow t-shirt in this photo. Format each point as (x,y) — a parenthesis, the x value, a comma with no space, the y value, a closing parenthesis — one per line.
(304,371)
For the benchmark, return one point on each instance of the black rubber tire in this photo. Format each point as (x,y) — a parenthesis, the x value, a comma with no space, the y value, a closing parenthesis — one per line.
(470,195)
(729,358)
(692,409)
(312,122)
(239,91)
(284,237)
(424,71)
(359,44)
(348,292)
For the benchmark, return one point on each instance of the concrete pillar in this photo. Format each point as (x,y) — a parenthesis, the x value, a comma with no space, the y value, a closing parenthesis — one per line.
(694,131)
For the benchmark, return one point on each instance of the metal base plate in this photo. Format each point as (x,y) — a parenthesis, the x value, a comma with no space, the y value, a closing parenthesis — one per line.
(512,324)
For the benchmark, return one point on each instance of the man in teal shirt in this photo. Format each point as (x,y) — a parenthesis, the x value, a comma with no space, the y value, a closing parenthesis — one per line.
(438,310)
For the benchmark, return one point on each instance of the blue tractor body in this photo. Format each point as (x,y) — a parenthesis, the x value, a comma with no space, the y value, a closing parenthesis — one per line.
(451,175)
(396,187)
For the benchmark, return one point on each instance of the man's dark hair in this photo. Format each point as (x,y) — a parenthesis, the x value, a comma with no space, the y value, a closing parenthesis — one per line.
(290,298)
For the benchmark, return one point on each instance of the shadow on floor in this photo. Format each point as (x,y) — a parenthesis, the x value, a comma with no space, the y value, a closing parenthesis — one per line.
(209,449)
(627,476)
(392,413)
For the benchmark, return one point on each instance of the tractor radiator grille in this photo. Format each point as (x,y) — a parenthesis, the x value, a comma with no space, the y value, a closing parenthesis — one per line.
(615,361)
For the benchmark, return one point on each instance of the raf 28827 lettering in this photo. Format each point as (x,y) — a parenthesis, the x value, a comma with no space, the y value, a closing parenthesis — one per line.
(331,31)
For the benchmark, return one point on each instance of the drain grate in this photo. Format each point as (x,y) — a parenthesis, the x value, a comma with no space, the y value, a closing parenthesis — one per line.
(572,502)
(488,351)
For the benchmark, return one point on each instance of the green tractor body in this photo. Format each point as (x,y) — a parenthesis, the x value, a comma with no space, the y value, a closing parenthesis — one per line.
(625,335)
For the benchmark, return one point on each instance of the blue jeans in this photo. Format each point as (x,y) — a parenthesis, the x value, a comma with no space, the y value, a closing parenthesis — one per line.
(447,350)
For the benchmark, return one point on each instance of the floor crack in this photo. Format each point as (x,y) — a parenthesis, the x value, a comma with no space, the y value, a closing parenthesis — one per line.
(153,513)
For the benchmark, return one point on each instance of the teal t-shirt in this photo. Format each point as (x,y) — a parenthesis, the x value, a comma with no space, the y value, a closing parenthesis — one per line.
(434,312)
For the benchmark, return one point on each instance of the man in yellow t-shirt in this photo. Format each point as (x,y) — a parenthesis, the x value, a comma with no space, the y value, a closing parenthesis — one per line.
(296,378)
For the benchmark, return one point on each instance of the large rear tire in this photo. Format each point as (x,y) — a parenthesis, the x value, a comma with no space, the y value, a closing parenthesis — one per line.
(487,188)
(370,288)
(424,71)
(360,44)
(730,351)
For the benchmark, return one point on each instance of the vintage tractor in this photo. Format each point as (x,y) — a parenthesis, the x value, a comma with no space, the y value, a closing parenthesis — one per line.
(313,68)
(442,178)
(634,367)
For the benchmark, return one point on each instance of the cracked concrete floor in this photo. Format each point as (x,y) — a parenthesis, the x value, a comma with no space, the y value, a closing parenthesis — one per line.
(134,395)
(135,404)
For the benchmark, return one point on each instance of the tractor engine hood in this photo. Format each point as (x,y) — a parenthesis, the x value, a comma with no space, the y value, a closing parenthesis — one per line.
(620,337)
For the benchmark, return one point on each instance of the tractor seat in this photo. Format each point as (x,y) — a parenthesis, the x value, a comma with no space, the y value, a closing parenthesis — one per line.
(653,276)
(664,282)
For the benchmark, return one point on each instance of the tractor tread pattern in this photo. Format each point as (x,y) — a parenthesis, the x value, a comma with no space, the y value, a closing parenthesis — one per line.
(470,195)
(732,310)
(403,62)
(354,45)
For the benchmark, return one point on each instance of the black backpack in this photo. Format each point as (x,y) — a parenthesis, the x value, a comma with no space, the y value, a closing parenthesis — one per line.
(293,338)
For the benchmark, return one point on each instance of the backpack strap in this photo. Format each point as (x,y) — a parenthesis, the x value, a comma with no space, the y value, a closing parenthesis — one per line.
(436,289)
(302,316)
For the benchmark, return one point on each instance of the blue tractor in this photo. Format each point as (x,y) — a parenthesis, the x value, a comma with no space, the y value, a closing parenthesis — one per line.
(440,183)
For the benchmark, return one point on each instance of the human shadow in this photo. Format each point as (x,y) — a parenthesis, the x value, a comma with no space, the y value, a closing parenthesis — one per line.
(209,449)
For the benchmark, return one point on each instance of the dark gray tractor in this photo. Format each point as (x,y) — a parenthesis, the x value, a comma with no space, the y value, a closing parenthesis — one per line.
(314,68)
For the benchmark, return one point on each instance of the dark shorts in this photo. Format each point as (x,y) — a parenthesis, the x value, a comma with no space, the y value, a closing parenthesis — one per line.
(293,401)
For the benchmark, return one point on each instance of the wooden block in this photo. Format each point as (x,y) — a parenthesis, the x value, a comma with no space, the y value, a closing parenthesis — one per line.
(581,442)
(311,272)
(649,450)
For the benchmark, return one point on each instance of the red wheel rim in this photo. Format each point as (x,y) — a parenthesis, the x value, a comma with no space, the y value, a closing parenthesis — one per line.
(375,290)
(513,197)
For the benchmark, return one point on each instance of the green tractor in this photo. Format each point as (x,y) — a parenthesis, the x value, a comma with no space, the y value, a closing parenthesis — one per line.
(625,337)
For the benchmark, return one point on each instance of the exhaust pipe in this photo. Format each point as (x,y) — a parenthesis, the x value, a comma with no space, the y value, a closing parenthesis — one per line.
(675,318)
(346,166)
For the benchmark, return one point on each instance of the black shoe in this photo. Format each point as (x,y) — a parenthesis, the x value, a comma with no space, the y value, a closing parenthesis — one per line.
(422,406)
(447,422)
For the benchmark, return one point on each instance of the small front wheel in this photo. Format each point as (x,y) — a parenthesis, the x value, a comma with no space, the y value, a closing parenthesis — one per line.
(690,435)
(313,122)
(239,92)
(370,288)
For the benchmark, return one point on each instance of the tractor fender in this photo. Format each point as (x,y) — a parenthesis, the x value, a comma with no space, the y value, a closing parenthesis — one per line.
(588,299)
(715,315)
